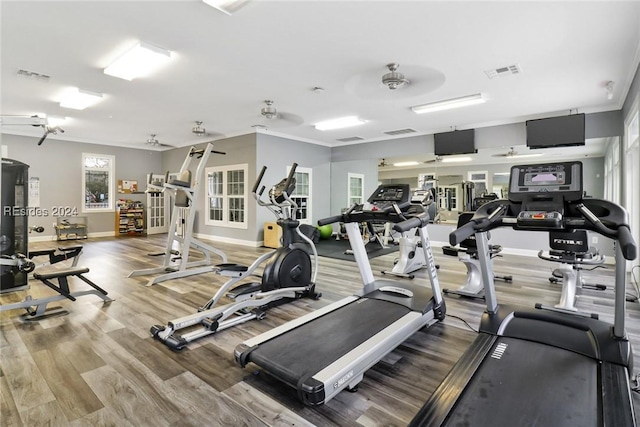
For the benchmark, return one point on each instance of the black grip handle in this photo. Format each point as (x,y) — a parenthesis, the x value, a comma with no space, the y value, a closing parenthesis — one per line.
(290,177)
(462,233)
(257,184)
(330,220)
(628,246)
(416,221)
(219,152)
(43,138)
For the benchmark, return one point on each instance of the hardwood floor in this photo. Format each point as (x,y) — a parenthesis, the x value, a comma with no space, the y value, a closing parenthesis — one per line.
(99,366)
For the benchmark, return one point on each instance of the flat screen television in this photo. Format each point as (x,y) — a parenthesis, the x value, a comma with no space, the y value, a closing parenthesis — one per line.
(563,131)
(455,142)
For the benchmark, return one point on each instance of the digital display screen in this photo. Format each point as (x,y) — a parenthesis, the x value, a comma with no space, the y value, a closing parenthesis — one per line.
(564,178)
(391,193)
(544,178)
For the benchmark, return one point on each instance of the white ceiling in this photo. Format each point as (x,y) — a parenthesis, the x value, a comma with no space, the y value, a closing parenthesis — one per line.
(223,67)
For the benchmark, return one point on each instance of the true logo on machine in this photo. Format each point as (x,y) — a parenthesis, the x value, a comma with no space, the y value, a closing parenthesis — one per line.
(343,380)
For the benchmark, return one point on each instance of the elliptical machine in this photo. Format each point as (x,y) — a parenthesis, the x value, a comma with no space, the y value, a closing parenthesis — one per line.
(287,275)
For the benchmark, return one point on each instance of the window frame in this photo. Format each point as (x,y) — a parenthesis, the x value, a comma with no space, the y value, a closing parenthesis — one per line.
(111,185)
(244,167)
(350,196)
(485,181)
(631,196)
(309,211)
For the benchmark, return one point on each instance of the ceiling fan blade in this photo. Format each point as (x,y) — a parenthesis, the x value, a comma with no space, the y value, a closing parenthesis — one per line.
(282,120)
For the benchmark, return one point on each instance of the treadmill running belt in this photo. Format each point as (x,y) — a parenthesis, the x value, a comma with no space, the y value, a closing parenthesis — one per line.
(302,352)
(524,383)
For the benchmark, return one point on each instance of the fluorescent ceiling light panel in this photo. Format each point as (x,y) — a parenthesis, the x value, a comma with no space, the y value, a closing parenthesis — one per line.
(226,6)
(405,164)
(56,120)
(449,104)
(456,159)
(340,123)
(79,99)
(522,156)
(139,61)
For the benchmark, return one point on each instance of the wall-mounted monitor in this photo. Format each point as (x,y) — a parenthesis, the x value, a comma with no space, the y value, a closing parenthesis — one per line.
(563,131)
(456,142)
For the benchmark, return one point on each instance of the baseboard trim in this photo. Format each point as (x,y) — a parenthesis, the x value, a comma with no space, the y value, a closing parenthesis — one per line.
(230,240)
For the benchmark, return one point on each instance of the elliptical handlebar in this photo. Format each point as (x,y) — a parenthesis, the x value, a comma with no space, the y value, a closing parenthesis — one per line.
(259,180)
(278,199)
(291,174)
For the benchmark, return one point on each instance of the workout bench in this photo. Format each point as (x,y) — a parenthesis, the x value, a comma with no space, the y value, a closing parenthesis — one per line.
(36,309)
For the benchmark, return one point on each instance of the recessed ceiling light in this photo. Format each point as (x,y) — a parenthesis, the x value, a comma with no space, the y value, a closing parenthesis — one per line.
(400,164)
(340,123)
(456,159)
(449,103)
(139,61)
(79,99)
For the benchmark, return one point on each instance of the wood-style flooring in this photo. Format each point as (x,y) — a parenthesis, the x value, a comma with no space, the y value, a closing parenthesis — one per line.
(99,366)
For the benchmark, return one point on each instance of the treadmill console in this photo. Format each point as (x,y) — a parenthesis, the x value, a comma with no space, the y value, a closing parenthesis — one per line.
(543,190)
(386,195)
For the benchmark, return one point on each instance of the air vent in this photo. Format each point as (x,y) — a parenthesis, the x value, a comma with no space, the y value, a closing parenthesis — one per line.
(33,75)
(504,71)
(499,351)
(350,139)
(400,131)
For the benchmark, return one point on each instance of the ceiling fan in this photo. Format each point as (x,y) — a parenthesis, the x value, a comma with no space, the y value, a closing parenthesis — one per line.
(270,117)
(198,129)
(394,79)
(436,159)
(381,82)
(383,163)
(153,142)
(510,153)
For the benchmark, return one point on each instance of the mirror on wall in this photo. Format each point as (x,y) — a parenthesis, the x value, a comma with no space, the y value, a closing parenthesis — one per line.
(500,186)
(488,170)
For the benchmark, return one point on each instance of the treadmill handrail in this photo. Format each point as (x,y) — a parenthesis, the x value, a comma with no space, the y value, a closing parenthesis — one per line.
(601,216)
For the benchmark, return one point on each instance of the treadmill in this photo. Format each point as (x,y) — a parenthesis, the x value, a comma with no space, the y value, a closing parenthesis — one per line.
(542,366)
(326,351)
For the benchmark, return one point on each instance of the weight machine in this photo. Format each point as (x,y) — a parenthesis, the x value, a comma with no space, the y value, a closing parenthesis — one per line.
(185,199)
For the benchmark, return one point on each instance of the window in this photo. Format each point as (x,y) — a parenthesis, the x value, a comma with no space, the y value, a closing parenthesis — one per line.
(97,182)
(356,188)
(427,181)
(302,194)
(448,197)
(612,172)
(479,179)
(227,196)
(633,129)
(631,170)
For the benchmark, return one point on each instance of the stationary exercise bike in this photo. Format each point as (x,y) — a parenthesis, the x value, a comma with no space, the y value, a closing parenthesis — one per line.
(287,275)
(410,253)
(572,250)
(467,253)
